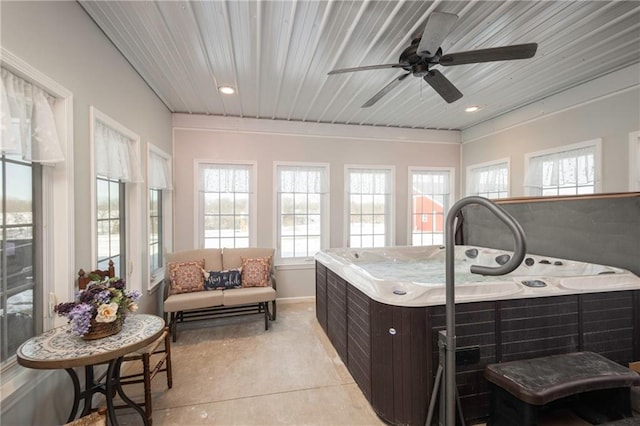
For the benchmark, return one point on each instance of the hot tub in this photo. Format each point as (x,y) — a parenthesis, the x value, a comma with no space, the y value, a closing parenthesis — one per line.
(414,276)
(382,309)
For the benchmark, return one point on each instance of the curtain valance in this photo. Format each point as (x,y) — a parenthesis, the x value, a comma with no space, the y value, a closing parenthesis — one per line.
(302,179)
(27,123)
(225,178)
(159,172)
(114,155)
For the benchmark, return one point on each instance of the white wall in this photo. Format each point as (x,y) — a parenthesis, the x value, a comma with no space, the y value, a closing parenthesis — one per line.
(61,41)
(262,141)
(607,108)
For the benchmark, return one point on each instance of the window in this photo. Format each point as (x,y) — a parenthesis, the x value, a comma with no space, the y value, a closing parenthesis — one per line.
(570,170)
(490,180)
(370,201)
(155,229)
(159,210)
(302,209)
(226,205)
(21,316)
(117,172)
(35,191)
(430,199)
(110,224)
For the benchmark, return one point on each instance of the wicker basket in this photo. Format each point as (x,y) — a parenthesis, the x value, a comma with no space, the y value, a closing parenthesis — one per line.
(98,330)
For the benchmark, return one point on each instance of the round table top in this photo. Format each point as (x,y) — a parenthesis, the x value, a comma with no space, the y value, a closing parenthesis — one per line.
(60,348)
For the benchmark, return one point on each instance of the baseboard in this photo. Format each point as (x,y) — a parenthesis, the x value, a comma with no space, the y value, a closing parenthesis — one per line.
(301,299)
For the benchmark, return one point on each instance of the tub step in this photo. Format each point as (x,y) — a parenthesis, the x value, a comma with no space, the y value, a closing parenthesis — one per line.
(598,388)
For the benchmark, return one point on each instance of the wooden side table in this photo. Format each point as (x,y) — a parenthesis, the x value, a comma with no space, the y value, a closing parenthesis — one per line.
(60,349)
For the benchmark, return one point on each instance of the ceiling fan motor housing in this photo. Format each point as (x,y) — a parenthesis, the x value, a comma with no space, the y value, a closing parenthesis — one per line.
(414,63)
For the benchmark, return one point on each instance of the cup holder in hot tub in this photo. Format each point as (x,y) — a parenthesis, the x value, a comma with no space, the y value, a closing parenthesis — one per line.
(534,283)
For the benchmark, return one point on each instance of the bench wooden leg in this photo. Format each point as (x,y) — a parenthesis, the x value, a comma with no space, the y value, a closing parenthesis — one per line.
(173,325)
(265,306)
(273,310)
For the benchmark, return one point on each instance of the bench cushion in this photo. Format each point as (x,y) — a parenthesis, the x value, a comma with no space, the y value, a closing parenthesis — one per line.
(196,300)
(243,296)
(212,258)
(232,257)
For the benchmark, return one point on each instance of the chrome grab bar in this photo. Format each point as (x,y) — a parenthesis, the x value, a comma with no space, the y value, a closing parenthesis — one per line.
(449,390)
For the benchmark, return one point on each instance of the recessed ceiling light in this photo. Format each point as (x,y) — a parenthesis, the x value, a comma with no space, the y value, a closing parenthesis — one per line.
(472,108)
(227,90)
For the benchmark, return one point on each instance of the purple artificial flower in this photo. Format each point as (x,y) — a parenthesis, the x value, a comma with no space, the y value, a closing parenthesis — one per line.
(64,308)
(103,297)
(80,318)
(134,295)
(117,283)
(91,293)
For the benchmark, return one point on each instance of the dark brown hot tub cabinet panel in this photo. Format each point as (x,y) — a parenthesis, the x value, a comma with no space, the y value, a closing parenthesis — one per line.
(392,352)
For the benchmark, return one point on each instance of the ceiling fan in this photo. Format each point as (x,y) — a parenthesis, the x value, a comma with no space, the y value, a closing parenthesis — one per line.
(425,52)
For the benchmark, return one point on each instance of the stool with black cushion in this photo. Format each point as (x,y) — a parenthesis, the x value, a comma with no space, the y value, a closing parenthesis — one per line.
(595,387)
(160,353)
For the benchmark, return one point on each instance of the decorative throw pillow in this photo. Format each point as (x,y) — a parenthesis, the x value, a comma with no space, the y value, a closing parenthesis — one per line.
(222,280)
(255,272)
(186,277)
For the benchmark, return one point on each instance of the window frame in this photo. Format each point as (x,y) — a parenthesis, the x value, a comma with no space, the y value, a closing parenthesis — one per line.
(121,218)
(133,233)
(597,163)
(58,243)
(156,276)
(634,161)
(390,219)
(452,196)
(253,204)
(325,221)
(472,169)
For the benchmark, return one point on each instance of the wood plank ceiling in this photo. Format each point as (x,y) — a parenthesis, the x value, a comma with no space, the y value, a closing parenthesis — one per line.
(277,55)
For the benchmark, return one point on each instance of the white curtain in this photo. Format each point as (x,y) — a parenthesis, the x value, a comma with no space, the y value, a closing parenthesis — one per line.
(493,178)
(27,124)
(114,155)
(302,179)
(225,178)
(370,181)
(430,183)
(159,172)
(572,167)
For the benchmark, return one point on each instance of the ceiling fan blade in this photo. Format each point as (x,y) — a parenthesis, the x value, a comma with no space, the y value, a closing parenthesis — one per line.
(443,86)
(505,53)
(438,26)
(365,68)
(386,89)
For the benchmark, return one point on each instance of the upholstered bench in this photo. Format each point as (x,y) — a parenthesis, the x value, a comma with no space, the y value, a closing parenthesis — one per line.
(520,388)
(182,304)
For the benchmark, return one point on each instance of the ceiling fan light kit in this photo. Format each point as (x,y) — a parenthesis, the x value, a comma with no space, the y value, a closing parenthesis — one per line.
(425,52)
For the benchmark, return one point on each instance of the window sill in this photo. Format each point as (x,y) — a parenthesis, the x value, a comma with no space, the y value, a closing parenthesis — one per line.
(18,382)
(300,265)
(155,279)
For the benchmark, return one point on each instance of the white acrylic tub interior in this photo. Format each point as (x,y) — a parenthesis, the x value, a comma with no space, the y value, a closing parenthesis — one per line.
(415,276)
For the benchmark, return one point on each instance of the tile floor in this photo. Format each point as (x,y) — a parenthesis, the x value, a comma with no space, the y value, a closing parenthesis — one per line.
(231,372)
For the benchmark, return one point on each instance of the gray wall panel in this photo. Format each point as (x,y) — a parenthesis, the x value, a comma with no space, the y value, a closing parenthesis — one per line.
(604,230)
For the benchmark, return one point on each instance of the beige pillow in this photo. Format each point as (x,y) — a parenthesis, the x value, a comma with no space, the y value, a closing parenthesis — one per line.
(186,277)
(255,272)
